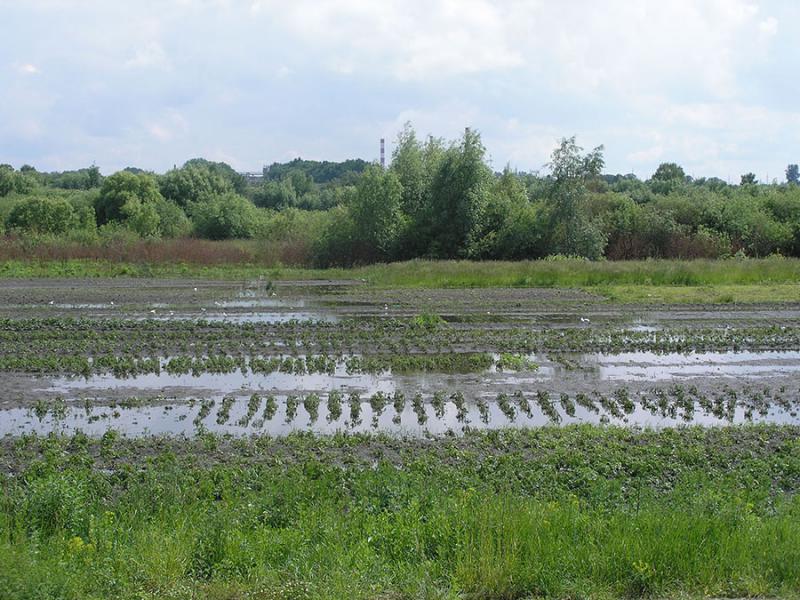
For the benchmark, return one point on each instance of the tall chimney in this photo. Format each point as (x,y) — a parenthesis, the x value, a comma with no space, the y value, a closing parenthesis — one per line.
(383,153)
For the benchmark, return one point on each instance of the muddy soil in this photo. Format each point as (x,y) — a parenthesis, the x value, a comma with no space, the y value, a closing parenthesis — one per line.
(473,310)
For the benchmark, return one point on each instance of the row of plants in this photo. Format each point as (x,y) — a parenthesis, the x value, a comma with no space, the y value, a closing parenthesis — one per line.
(79,336)
(127,366)
(676,402)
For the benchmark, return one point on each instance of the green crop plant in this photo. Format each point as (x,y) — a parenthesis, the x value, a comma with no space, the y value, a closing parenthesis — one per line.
(547,406)
(354,400)
(462,413)
(205,410)
(311,406)
(292,404)
(418,405)
(439,403)
(568,405)
(270,408)
(506,407)
(523,404)
(334,406)
(483,410)
(224,412)
(253,405)
(399,403)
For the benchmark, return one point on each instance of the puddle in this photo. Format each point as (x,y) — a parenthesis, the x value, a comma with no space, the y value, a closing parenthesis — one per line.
(565,373)
(631,366)
(245,317)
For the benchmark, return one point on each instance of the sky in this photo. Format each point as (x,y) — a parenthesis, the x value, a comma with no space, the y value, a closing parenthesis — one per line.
(709,84)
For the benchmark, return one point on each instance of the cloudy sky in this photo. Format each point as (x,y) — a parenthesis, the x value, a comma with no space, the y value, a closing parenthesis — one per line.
(710,84)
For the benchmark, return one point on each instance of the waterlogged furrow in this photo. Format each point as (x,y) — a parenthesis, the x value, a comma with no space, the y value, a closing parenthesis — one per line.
(399,413)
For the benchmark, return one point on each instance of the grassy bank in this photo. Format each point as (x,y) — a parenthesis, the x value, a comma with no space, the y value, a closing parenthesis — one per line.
(701,281)
(574,512)
(451,274)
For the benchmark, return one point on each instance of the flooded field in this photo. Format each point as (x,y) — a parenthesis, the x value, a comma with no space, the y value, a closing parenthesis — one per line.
(177,357)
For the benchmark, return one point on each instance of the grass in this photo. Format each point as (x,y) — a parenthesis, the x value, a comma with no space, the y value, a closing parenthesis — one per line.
(651,281)
(451,274)
(558,513)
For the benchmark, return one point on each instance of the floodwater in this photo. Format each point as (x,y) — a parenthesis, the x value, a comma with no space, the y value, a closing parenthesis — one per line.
(184,419)
(600,368)
(766,384)
(174,406)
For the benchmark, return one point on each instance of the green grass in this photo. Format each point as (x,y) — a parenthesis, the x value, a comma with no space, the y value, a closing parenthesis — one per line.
(557,513)
(653,281)
(456,274)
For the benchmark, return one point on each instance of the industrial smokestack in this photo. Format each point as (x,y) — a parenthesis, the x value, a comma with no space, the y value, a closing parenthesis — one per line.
(383,153)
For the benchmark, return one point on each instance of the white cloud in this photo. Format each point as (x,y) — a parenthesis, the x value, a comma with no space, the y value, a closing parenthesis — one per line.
(167,128)
(647,155)
(409,40)
(152,55)
(27,69)
(769,26)
(695,81)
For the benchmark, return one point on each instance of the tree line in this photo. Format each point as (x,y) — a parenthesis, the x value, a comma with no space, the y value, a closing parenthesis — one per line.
(436,199)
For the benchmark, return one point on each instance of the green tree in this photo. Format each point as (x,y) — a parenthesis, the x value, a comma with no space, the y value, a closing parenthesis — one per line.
(408,163)
(571,231)
(458,196)
(793,174)
(192,183)
(748,179)
(43,215)
(275,194)
(141,217)
(506,196)
(121,188)
(377,215)
(667,178)
(225,216)
(227,172)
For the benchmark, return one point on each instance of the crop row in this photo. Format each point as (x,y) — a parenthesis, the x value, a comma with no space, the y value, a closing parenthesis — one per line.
(127,366)
(148,337)
(676,403)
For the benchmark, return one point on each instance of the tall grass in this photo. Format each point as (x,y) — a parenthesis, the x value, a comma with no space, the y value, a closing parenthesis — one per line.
(243,261)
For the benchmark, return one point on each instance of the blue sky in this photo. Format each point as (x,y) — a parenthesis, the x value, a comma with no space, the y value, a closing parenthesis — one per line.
(710,84)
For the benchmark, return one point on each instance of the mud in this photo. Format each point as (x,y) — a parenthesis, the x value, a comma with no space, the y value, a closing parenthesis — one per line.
(169,404)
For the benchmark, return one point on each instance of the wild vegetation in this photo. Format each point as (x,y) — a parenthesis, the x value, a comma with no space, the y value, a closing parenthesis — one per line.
(543,513)
(435,200)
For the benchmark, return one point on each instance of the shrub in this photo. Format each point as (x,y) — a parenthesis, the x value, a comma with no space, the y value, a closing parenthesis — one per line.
(43,215)
(224,217)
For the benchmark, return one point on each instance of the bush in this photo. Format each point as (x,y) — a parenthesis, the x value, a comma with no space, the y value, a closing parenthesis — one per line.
(122,188)
(225,217)
(43,215)
(192,183)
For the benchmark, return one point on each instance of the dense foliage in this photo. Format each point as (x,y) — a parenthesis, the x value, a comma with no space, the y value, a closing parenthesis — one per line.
(550,513)
(435,200)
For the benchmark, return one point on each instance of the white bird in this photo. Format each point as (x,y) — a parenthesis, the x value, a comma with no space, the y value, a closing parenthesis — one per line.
(52,302)
(112,303)
(195,289)
(203,309)
(585,320)
(152,312)
(385,307)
